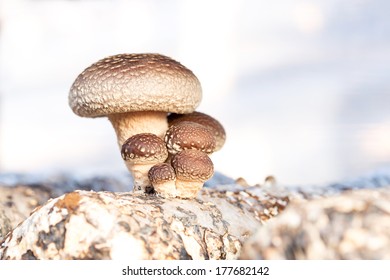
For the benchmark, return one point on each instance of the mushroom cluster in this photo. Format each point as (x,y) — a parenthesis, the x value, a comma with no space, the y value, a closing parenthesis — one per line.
(150,100)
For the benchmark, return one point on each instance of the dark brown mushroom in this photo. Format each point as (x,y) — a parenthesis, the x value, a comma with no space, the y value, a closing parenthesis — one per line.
(162,177)
(192,169)
(201,118)
(188,135)
(141,152)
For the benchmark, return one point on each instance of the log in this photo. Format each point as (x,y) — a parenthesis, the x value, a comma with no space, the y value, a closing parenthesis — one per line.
(226,221)
(16,204)
(354,224)
(108,225)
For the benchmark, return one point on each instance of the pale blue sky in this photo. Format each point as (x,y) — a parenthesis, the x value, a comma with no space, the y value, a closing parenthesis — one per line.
(301,87)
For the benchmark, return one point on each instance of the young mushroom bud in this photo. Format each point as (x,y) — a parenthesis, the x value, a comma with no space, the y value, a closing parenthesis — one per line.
(141,152)
(188,135)
(192,168)
(162,177)
(207,121)
(135,92)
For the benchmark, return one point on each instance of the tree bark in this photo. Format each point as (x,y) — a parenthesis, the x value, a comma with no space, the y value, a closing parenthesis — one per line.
(16,204)
(352,225)
(226,221)
(106,225)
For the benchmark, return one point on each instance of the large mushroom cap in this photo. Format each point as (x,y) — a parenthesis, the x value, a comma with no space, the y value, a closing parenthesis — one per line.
(134,82)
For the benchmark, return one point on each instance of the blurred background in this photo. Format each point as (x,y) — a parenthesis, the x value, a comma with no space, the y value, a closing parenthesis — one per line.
(302,87)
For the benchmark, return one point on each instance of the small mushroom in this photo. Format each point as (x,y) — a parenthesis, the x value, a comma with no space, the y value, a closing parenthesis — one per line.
(162,177)
(192,169)
(205,120)
(189,135)
(135,92)
(141,152)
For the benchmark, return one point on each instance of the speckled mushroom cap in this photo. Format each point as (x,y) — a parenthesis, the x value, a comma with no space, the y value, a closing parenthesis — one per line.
(205,120)
(192,165)
(134,82)
(144,148)
(161,173)
(188,135)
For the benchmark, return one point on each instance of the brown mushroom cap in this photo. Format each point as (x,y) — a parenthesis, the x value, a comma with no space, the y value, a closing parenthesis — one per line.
(205,120)
(132,83)
(161,173)
(192,165)
(189,135)
(144,148)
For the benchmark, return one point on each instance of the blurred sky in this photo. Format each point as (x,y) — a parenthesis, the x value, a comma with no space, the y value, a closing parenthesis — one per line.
(302,87)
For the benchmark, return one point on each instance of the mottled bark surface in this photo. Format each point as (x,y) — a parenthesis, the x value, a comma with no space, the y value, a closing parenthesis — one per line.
(21,194)
(230,219)
(352,225)
(105,225)
(17,203)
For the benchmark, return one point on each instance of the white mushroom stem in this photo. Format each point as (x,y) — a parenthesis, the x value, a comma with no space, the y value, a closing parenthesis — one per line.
(140,176)
(166,189)
(129,124)
(188,189)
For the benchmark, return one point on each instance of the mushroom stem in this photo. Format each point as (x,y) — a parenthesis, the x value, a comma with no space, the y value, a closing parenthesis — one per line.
(166,189)
(129,124)
(140,176)
(187,189)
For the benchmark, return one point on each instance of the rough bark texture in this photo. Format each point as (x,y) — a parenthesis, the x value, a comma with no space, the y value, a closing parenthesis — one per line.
(17,203)
(352,225)
(320,222)
(105,225)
